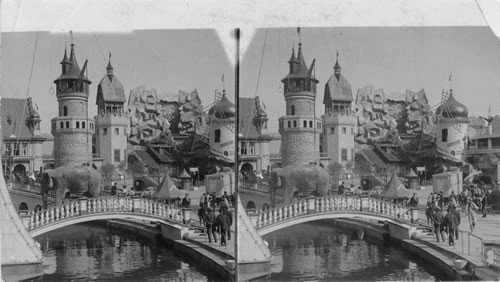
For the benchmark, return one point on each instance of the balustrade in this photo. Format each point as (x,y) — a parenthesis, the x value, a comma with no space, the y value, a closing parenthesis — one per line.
(330,204)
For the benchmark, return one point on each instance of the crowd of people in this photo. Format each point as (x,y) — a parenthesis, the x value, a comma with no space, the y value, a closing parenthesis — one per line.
(217,226)
(470,201)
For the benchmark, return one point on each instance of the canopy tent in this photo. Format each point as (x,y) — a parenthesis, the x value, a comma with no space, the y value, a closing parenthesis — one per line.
(168,190)
(411,174)
(184,174)
(395,189)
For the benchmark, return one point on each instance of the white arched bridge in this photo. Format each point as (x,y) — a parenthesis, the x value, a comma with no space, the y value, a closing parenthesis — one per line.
(89,209)
(330,207)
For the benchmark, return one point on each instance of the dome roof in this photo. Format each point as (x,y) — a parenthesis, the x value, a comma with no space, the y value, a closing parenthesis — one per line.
(224,108)
(452,109)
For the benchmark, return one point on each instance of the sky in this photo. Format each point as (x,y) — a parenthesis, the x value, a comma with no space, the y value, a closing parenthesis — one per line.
(392,58)
(166,60)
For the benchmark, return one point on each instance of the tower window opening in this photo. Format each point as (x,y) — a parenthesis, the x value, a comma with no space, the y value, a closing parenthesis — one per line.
(105,131)
(305,123)
(117,131)
(344,154)
(67,124)
(65,111)
(83,124)
(294,123)
(332,130)
(344,130)
(444,135)
(289,124)
(292,110)
(61,124)
(217,136)
(77,124)
(310,124)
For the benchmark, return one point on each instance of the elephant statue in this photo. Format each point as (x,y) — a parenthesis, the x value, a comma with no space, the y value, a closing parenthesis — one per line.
(74,179)
(305,179)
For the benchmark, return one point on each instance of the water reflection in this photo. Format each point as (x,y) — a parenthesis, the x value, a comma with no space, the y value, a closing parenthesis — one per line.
(89,252)
(315,251)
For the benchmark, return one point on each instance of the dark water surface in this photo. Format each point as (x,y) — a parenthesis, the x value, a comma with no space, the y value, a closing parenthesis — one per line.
(87,252)
(316,251)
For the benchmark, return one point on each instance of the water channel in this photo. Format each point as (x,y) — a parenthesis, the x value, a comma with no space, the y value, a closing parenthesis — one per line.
(317,251)
(88,252)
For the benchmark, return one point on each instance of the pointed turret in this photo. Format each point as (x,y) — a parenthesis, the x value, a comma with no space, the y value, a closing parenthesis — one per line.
(65,63)
(293,61)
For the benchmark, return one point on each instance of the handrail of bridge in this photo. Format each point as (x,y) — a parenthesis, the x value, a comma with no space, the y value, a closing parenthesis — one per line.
(104,205)
(314,205)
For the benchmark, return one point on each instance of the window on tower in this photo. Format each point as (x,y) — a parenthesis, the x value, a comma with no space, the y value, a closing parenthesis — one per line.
(310,124)
(289,124)
(294,123)
(332,130)
(77,124)
(292,110)
(65,111)
(61,124)
(105,131)
(117,131)
(305,123)
(217,136)
(344,154)
(67,124)
(83,124)
(117,156)
(344,130)
(444,135)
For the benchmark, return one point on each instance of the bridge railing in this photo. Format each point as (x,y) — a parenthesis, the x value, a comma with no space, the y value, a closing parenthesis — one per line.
(104,205)
(330,204)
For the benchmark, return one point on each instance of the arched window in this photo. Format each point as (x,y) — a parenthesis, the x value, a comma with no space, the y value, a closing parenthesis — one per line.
(67,124)
(77,124)
(250,206)
(65,111)
(23,206)
(292,110)
(62,124)
(310,123)
(83,124)
(294,123)
(289,124)
(305,123)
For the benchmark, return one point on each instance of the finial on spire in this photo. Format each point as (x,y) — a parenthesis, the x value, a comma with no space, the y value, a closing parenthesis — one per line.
(449,79)
(71,36)
(298,32)
(109,68)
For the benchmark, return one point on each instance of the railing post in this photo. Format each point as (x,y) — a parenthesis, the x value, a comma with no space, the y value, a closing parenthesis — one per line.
(26,219)
(136,205)
(310,204)
(84,202)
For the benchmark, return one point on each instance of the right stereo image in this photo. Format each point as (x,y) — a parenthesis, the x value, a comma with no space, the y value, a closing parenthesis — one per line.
(368,153)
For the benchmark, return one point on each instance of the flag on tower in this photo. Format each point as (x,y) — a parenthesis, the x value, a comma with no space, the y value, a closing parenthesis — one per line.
(222,77)
(449,79)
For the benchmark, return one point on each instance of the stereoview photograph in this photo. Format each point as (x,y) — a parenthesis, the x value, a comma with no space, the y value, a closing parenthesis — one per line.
(118,156)
(364,152)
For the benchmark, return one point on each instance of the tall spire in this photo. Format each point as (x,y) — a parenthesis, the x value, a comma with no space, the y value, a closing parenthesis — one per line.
(109,68)
(336,68)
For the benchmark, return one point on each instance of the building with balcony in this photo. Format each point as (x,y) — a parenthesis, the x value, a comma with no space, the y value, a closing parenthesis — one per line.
(21,137)
(483,150)
(254,148)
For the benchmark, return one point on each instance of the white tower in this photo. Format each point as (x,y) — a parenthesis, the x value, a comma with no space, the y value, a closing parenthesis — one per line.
(451,130)
(339,121)
(222,118)
(111,121)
